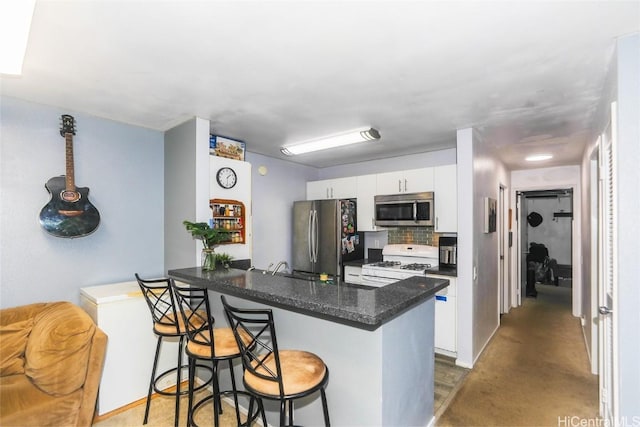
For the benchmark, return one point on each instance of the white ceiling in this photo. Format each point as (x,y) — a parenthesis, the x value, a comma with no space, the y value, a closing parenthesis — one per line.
(528,74)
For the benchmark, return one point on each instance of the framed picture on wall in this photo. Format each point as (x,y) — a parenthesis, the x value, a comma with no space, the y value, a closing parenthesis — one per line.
(490,214)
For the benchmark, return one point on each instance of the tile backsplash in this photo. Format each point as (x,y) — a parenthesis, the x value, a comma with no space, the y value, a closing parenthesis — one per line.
(418,235)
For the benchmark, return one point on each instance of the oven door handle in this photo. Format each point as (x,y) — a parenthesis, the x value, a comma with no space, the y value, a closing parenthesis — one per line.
(376,280)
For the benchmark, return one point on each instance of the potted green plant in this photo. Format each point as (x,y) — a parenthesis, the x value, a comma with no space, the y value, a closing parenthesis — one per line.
(223,259)
(210,237)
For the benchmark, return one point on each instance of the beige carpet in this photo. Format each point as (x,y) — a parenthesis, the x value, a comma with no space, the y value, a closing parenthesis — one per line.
(534,372)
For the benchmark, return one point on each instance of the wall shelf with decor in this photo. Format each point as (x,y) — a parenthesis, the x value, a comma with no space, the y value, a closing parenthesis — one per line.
(229,215)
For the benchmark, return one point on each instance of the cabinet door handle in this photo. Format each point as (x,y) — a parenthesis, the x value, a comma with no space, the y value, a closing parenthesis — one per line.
(399,186)
(332,192)
(436,223)
(405,185)
(327,192)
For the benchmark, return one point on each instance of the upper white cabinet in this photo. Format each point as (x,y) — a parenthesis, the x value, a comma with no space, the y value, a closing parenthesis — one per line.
(446,198)
(366,191)
(408,181)
(338,188)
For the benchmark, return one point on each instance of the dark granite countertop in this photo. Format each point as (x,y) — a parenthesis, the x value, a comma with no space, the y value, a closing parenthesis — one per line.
(358,306)
(358,262)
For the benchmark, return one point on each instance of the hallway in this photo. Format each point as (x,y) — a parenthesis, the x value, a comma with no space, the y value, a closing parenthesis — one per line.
(534,371)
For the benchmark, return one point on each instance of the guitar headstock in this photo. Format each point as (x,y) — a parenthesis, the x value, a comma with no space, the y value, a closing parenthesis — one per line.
(68,125)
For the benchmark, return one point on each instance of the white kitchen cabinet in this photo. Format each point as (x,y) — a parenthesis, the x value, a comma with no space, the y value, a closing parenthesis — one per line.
(353,274)
(366,191)
(407,181)
(446,324)
(337,188)
(122,313)
(445,198)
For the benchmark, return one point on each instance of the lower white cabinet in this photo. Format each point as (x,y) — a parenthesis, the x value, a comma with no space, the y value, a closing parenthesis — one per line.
(121,312)
(446,324)
(353,274)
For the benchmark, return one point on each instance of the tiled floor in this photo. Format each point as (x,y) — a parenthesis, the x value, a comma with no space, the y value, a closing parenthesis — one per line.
(448,378)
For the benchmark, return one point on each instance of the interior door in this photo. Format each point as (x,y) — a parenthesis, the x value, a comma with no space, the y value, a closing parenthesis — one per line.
(503,288)
(520,242)
(608,316)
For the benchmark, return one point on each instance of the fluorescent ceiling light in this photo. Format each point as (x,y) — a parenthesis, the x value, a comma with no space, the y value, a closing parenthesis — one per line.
(332,141)
(15,22)
(538,157)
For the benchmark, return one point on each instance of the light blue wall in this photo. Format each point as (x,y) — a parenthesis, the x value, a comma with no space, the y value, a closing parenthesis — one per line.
(273,195)
(123,167)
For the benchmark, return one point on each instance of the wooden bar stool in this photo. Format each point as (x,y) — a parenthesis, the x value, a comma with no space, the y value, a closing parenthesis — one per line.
(204,342)
(159,298)
(270,373)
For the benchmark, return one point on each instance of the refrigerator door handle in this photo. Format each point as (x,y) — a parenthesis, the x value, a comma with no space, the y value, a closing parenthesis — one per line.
(315,236)
(309,235)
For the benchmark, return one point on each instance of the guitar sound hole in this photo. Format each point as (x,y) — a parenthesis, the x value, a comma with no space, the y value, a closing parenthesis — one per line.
(70,196)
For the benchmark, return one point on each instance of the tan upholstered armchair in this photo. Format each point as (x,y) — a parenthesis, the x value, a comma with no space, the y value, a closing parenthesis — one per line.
(51,358)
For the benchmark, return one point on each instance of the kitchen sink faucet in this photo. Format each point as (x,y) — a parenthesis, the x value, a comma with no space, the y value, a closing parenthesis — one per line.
(278,265)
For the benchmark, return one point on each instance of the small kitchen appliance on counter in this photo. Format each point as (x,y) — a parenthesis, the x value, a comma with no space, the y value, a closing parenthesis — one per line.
(448,252)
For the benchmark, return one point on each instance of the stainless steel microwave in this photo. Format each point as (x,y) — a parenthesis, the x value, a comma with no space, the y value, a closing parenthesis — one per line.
(409,209)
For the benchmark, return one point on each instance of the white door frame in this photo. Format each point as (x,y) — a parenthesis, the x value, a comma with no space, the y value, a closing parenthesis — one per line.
(576,237)
(608,276)
(504,302)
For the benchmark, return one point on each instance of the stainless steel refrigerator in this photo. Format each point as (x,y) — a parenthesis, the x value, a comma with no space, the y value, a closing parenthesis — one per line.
(325,235)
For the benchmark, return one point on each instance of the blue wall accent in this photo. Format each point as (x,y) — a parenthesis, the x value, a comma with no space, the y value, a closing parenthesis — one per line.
(123,167)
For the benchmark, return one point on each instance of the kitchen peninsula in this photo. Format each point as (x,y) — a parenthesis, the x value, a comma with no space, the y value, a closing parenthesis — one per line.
(377,342)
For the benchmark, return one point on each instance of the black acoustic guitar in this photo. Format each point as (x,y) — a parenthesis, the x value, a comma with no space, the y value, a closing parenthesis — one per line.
(69,213)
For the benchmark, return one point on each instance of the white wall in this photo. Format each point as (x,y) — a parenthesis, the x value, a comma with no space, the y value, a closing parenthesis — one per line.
(466,281)
(628,161)
(123,167)
(480,175)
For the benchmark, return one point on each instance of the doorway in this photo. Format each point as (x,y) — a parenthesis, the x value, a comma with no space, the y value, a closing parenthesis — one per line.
(546,236)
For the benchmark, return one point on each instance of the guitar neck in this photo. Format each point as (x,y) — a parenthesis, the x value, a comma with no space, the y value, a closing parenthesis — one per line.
(69,177)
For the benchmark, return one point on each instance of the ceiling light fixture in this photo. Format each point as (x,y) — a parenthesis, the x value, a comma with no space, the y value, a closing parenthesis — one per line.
(332,141)
(15,22)
(538,157)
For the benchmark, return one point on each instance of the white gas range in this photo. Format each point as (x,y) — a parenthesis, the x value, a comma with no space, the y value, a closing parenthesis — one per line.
(400,261)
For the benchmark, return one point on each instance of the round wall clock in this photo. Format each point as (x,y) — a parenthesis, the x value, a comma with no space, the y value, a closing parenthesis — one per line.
(226,177)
